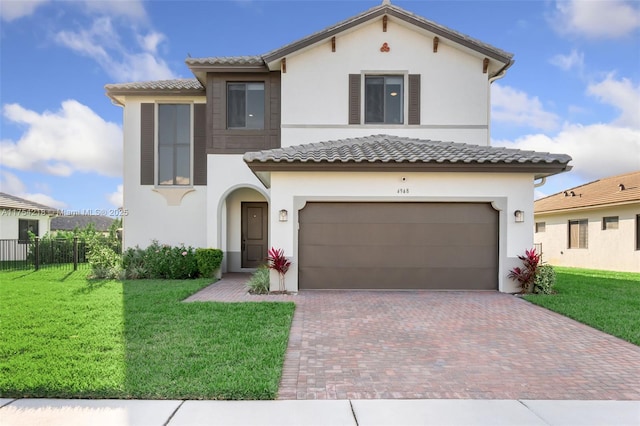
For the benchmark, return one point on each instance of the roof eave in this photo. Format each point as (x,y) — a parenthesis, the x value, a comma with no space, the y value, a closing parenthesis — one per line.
(591,207)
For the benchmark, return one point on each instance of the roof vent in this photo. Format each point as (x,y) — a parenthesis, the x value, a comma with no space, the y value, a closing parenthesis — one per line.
(573,194)
(566,194)
(621,187)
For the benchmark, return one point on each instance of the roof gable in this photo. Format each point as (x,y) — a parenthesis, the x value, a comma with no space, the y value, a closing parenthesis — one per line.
(614,190)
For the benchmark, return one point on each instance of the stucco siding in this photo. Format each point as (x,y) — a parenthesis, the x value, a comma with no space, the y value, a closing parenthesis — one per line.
(454,91)
(610,249)
(506,192)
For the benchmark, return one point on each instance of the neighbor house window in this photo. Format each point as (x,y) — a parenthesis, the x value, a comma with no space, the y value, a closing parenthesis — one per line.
(578,233)
(638,232)
(610,222)
(245,105)
(541,226)
(174,144)
(25,226)
(384,99)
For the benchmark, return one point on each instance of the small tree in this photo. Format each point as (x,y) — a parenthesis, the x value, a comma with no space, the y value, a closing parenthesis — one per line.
(278,262)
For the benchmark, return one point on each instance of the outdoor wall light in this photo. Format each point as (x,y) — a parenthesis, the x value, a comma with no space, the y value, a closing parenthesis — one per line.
(284,215)
(519,214)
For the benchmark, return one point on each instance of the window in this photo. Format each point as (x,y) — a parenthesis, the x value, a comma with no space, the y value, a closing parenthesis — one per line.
(174,144)
(245,105)
(610,222)
(384,99)
(578,233)
(541,227)
(24,227)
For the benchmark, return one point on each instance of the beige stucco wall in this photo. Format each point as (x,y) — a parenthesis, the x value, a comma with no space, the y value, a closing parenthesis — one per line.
(612,249)
(454,90)
(507,193)
(10,249)
(170,215)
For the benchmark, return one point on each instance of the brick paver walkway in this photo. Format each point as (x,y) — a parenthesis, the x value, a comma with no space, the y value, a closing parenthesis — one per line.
(430,344)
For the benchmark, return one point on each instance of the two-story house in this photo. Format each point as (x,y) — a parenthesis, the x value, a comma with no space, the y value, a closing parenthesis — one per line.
(362,150)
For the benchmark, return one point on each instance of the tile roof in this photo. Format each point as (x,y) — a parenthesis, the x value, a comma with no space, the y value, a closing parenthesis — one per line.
(599,193)
(388,150)
(11,202)
(226,60)
(161,85)
(69,223)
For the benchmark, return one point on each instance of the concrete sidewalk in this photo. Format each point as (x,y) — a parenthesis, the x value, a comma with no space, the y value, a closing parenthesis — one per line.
(31,412)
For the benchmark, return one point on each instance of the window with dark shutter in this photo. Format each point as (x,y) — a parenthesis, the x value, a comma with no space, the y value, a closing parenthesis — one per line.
(354,98)
(147,144)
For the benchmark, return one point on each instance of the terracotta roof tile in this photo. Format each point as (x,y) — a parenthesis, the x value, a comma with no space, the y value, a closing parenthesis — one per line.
(160,85)
(601,192)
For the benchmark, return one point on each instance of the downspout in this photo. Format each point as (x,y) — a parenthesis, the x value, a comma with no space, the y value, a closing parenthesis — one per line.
(498,76)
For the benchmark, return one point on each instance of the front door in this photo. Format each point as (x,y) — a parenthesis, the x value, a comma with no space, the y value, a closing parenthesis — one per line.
(254,234)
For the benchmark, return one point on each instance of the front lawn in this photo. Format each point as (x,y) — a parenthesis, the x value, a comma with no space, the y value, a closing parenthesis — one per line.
(608,301)
(64,336)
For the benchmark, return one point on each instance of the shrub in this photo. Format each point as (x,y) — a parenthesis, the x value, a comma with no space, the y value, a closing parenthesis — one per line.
(527,274)
(104,261)
(161,261)
(208,260)
(278,262)
(545,280)
(259,282)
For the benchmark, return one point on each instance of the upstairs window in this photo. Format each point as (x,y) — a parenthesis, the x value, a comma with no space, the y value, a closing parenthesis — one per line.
(174,144)
(610,222)
(245,106)
(384,100)
(578,234)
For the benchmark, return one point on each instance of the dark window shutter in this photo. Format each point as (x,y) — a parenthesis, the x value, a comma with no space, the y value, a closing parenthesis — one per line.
(147,145)
(354,98)
(414,99)
(199,144)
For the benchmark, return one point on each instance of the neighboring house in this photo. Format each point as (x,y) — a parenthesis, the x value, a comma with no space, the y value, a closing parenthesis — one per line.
(18,217)
(79,222)
(596,225)
(362,150)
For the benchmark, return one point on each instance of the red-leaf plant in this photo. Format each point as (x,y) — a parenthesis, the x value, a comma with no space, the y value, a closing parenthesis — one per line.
(278,262)
(526,275)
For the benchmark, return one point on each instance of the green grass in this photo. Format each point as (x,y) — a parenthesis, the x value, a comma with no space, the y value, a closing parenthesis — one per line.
(608,301)
(64,336)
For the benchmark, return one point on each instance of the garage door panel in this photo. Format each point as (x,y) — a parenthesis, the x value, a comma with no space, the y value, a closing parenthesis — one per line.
(393,234)
(396,278)
(398,245)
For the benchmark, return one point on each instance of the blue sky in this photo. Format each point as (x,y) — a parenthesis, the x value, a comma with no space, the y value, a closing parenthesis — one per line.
(574,88)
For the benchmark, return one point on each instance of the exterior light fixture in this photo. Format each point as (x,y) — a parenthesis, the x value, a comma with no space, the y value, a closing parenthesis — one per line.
(284,215)
(519,214)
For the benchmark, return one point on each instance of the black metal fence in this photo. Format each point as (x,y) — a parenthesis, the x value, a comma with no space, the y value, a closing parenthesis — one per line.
(37,253)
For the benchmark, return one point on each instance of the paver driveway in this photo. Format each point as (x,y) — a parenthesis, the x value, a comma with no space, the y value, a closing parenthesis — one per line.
(431,344)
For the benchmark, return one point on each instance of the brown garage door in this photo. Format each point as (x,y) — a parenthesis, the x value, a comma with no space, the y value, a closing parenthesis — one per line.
(450,246)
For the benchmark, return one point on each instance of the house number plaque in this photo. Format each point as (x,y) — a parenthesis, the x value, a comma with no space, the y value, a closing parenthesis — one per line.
(402,191)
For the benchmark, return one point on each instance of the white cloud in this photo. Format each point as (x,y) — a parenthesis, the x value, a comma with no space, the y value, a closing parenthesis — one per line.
(116,198)
(598,18)
(132,9)
(598,150)
(102,43)
(509,105)
(14,9)
(11,184)
(60,143)
(622,95)
(574,59)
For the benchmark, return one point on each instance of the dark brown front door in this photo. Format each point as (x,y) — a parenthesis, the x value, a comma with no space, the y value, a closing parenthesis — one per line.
(254,234)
